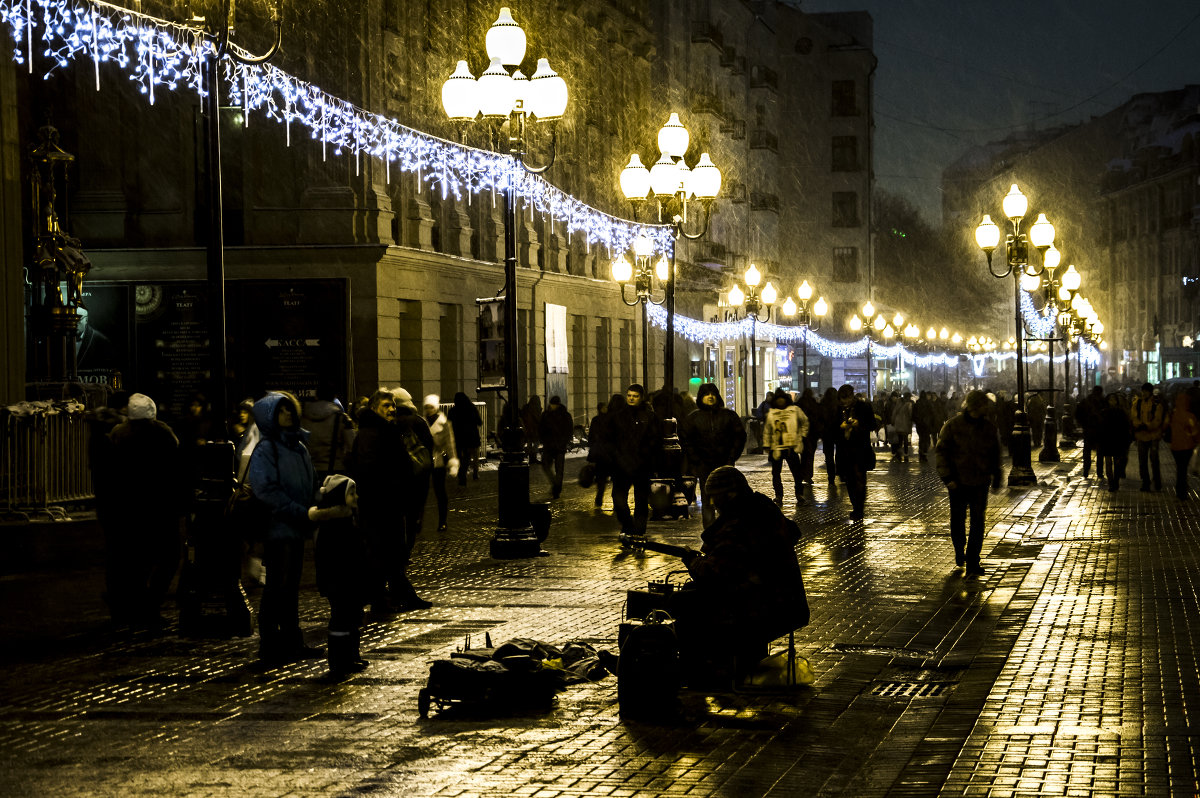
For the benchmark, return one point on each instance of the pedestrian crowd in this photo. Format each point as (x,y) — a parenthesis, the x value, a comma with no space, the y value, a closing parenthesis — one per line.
(357,483)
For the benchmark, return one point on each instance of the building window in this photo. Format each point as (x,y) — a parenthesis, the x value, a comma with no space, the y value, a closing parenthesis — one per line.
(845,153)
(845,209)
(845,264)
(845,98)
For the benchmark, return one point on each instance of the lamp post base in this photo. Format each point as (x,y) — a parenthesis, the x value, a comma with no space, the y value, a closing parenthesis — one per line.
(515,536)
(1049,453)
(1020,451)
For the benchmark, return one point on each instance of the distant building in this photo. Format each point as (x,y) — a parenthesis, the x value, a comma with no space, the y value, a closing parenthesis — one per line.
(1123,191)
(780,98)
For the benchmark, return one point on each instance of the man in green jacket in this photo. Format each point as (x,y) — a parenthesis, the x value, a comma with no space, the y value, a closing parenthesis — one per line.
(968,458)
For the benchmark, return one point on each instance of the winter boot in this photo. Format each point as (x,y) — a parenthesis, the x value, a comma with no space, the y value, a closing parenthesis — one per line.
(343,654)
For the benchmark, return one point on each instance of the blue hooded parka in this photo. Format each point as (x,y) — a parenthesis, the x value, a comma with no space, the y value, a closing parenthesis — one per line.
(281,473)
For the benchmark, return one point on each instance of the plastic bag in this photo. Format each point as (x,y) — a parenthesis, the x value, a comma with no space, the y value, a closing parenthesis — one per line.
(773,672)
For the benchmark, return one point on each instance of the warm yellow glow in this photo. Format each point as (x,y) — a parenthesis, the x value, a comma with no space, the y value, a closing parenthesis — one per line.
(459,98)
(1015,203)
(753,276)
(856,323)
(1030,282)
(505,40)
(769,293)
(889,332)
(663,269)
(868,310)
(987,234)
(642,246)
(930,334)
(635,179)
(664,177)
(673,138)
(622,269)
(957,338)
(705,182)
(805,291)
(880,322)
(736,297)
(1041,235)
(1071,279)
(789,306)
(897,321)
(1052,258)
(496,91)
(821,307)
(944,334)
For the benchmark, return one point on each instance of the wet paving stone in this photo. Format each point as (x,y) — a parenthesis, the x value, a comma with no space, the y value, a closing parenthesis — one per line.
(1069,669)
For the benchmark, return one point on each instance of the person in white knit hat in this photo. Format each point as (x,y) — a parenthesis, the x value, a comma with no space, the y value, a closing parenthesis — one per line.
(445,460)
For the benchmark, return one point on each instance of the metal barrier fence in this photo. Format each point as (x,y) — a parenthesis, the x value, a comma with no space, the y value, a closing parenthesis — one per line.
(43,463)
(483,414)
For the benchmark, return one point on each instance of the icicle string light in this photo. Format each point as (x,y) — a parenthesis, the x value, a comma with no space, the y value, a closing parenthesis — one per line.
(156,54)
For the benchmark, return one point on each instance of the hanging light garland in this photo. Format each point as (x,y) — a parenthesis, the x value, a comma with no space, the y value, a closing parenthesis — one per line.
(159,55)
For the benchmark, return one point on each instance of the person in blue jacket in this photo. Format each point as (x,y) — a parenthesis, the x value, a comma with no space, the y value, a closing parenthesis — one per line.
(281,476)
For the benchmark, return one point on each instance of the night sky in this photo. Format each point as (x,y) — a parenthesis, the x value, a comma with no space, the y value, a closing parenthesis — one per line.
(953,74)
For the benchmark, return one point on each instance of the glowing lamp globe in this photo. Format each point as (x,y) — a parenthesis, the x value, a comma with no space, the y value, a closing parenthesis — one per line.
(622,270)
(505,40)
(547,92)
(769,293)
(789,306)
(1071,279)
(664,176)
(459,98)
(822,307)
(496,91)
(635,179)
(1052,258)
(753,276)
(673,138)
(706,179)
(662,269)
(642,246)
(1015,203)
(736,296)
(987,234)
(1041,235)
(805,291)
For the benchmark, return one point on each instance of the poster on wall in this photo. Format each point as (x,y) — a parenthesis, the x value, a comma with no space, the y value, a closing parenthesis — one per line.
(172,344)
(490,327)
(103,350)
(289,335)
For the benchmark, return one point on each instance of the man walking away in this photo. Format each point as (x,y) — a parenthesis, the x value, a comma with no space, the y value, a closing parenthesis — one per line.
(556,428)
(1087,414)
(968,458)
(1149,417)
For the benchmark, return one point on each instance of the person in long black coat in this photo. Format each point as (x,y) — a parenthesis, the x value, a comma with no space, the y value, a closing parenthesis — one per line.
(634,439)
(147,497)
(465,422)
(1116,433)
(855,457)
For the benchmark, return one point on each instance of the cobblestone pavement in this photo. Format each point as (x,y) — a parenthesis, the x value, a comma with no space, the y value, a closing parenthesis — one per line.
(1069,669)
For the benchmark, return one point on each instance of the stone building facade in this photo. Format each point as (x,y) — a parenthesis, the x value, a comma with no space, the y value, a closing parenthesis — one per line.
(1123,192)
(781,99)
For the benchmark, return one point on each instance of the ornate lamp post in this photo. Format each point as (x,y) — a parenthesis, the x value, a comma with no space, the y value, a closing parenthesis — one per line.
(1050,286)
(672,185)
(859,325)
(506,103)
(758,307)
(805,319)
(1017,262)
(641,279)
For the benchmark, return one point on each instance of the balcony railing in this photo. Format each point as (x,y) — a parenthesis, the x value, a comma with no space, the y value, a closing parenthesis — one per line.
(760,201)
(762,77)
(764,140)
(704,31)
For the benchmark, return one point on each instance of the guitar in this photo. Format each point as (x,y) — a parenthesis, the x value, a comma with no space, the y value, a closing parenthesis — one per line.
(638,543)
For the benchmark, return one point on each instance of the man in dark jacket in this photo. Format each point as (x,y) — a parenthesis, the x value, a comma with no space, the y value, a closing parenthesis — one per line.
(556,428)
(147,498)
(416,457)
(924,417)
(634,439)
(712,436)
(1087,414)
(968,459)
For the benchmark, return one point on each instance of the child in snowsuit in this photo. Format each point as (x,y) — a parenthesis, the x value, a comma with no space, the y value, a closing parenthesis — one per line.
(340,555)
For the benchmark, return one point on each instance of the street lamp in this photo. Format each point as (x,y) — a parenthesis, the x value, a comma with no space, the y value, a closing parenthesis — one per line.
(805,319)
(673,186)
(1017,262)
(500,99)
(758,307)
(641,279)
(864,326)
